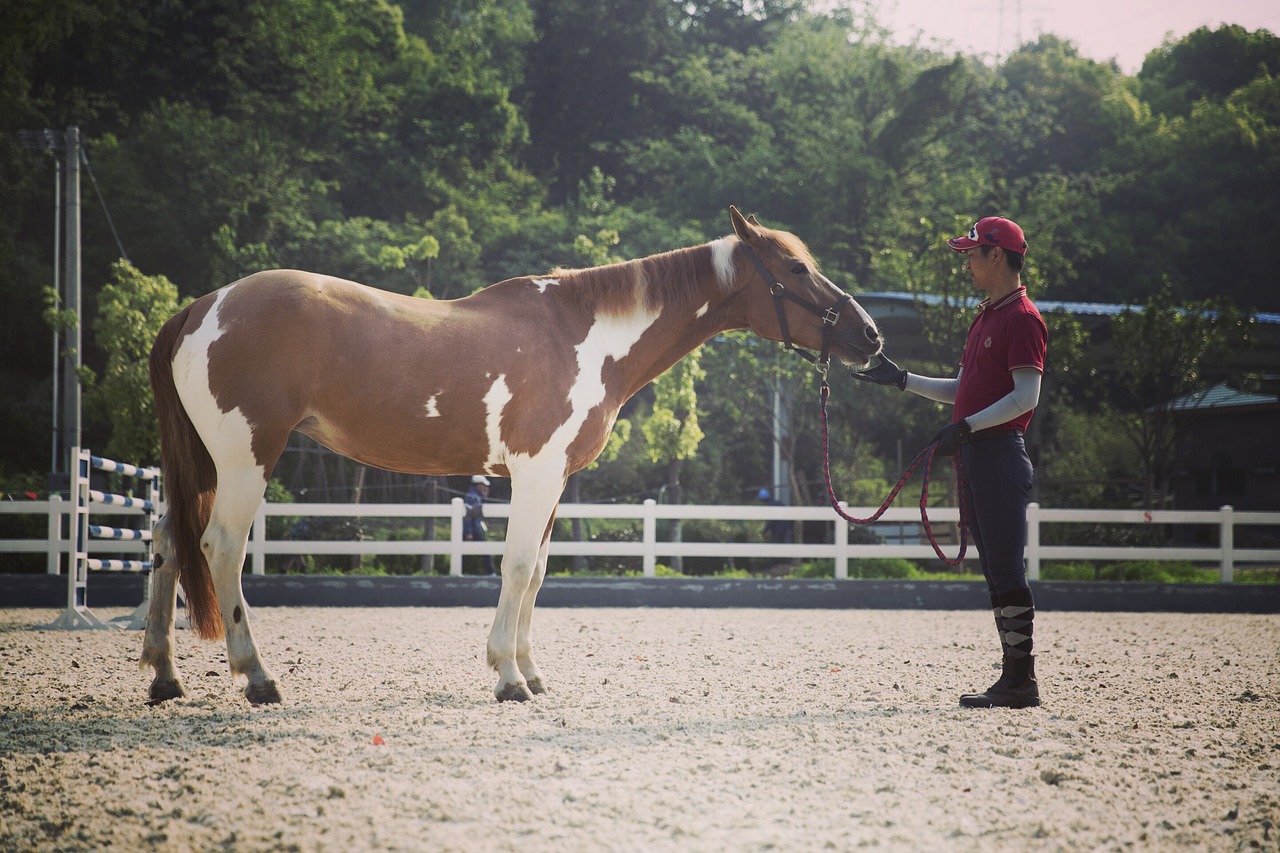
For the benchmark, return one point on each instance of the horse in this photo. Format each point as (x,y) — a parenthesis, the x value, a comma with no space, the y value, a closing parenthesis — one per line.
(521,379)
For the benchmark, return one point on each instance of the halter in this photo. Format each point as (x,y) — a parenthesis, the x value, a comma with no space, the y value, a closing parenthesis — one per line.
(830,316)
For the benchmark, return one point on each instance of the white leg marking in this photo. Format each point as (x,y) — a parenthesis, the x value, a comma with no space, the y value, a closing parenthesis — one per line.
(157,643)
(536,483)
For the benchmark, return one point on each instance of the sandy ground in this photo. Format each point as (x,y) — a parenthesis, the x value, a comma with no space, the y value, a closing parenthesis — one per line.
(666,730)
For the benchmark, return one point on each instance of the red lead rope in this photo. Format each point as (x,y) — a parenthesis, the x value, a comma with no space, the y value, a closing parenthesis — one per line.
(925,456)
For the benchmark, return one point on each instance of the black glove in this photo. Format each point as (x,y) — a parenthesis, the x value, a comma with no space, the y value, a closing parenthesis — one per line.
(884,373)
(948,438)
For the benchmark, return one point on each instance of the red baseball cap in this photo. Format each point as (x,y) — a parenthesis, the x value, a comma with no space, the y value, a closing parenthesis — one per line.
(992,231)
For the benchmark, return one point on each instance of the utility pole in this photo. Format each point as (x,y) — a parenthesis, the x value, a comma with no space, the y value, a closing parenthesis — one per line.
(66,418)
(71,295)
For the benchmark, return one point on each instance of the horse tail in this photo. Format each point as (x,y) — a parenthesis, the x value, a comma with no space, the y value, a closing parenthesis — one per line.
(190,483)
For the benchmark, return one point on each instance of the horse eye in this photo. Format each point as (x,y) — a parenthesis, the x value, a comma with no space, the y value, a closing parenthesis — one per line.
(800,269)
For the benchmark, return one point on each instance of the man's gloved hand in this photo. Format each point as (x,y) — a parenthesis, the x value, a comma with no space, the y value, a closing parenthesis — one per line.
(884,373)
(948,438)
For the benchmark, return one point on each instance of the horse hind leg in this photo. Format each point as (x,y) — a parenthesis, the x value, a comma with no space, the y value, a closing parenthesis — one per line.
(158,641)
(225,542)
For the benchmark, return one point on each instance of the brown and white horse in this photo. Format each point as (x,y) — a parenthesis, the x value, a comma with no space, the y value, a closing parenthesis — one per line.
(523,379)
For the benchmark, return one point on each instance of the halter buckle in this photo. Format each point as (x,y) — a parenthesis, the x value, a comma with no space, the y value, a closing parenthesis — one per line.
(832,314)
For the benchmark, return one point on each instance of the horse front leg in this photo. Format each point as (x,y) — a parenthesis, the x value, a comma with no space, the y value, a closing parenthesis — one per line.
(523,555)
(158,640)
(524,630)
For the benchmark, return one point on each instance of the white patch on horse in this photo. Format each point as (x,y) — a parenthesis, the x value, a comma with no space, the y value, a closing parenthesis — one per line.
(722,258)
(228,435)
(544,283)
(610,337)
(495,400)
(433,410)
(702,309)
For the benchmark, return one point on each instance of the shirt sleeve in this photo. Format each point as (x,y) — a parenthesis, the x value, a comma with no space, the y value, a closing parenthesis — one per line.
(1028,342)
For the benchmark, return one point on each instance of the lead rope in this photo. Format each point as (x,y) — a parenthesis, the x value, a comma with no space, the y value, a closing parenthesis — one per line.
(925,456)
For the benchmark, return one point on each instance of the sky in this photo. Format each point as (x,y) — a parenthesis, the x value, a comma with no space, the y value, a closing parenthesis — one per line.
(1124,30)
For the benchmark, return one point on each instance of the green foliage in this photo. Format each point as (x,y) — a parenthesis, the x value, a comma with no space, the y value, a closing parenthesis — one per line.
(884,568)
(1162,351)
(433,148)
(131,309)
(671,431)
(1068,572)
(1153,571)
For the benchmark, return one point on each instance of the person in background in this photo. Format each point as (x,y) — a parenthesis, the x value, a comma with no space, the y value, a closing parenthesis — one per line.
(776,530)
(474,528)
(994,393)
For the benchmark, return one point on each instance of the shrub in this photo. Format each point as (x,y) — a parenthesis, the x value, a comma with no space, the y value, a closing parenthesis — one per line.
(1152,571)
(893,568)
(1068,572)
(815,569)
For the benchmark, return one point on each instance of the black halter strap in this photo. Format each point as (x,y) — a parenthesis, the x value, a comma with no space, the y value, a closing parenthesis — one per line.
(830,316)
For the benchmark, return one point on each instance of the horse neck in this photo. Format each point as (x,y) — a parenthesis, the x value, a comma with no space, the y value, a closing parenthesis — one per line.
(693,299)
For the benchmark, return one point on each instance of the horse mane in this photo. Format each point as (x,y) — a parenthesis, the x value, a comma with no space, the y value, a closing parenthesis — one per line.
(658,280)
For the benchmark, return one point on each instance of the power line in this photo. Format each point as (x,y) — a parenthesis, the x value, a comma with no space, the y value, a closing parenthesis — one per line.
(84,158)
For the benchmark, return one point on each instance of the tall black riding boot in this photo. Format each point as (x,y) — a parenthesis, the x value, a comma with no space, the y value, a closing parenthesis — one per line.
(1015,615)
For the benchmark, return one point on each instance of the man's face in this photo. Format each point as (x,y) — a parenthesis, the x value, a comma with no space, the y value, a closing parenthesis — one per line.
(981,267)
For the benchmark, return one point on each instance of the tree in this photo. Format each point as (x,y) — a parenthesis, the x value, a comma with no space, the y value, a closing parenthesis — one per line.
(1205,64)
(1163,351)
(671,431)
(131,309)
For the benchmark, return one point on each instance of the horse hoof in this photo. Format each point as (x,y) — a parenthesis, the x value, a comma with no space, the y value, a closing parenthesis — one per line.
(163,691)
(536,687)
(263,693)
(513,693)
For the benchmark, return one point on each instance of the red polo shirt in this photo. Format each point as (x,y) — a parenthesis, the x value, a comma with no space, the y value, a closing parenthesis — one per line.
(1004,336)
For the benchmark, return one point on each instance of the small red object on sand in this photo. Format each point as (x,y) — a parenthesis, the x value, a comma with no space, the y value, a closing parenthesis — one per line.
(378,741)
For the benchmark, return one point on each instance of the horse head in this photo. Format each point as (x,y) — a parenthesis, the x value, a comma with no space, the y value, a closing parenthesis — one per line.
(790,301)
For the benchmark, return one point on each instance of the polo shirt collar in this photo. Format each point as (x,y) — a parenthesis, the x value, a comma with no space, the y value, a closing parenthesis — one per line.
(1017,294)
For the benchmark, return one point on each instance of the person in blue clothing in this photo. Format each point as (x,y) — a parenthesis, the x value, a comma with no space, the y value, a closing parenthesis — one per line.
(474,528)
(776,530)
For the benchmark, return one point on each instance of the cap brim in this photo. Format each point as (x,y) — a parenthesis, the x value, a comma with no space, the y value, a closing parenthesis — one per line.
(961,244)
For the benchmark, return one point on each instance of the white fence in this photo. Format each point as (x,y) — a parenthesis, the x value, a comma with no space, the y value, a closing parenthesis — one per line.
(1225,556)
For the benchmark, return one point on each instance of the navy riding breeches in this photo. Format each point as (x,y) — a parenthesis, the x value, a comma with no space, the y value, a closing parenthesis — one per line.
(997,474)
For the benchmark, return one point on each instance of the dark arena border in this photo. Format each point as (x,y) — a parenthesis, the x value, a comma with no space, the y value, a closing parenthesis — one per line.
(114,590)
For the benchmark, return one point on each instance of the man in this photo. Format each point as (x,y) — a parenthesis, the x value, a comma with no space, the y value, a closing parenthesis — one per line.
(474,528)
(994,394)
(776,530)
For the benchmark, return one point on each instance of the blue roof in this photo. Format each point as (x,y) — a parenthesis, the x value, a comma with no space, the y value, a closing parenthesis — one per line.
(1221,396)
(1098,309)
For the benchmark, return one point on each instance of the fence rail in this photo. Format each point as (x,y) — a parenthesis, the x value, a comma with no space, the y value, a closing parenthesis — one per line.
(1225,556)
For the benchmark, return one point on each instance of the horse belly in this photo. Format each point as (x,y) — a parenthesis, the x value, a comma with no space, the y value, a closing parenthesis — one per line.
(396,443)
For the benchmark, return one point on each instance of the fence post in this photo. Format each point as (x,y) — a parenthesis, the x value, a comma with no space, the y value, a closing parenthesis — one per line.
(650,537)
(53,563)
(1227,541)
(1033,541)
(456,514)
(259,541)
(841,540)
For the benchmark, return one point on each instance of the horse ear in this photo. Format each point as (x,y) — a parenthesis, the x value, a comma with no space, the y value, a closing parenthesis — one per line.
(745,230)
(752,219)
